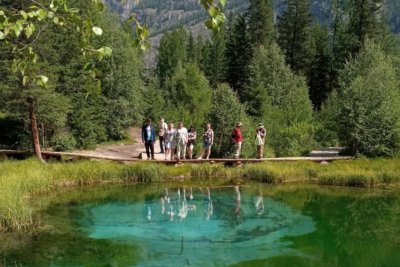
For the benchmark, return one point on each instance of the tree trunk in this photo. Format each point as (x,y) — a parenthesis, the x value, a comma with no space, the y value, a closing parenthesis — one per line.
(34,130)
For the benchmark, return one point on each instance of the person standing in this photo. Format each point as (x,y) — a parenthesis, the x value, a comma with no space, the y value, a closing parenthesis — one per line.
(208,141)
(161,134)
(260,140)
(237,139)
(170,141)
(148,138)
(182,139)
(192,135)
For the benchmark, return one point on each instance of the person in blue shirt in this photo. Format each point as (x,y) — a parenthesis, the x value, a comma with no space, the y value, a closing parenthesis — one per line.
(148,138)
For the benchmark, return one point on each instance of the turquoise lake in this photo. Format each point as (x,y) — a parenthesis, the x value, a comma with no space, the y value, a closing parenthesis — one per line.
(250,225)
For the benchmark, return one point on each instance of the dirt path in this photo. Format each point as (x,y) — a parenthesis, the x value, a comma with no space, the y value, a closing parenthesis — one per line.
(123,150)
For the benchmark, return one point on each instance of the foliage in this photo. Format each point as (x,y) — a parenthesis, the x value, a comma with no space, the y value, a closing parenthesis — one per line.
(366,105)
(215,59)
(261,21)
(293,33)
(280,99)
(226,111)
(72,101)
(63,142)
(171,53)
(189,95)
(238,54)
(319,69)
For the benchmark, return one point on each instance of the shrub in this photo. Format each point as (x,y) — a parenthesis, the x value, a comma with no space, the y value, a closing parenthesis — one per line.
(63,142)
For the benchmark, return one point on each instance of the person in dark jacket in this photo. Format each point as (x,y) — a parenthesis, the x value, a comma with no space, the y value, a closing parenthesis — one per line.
(148,138)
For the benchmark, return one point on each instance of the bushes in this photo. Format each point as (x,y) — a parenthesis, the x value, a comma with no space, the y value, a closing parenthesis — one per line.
(63,142)
(365,109)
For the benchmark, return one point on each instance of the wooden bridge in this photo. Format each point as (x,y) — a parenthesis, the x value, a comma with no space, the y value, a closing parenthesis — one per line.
(66,155)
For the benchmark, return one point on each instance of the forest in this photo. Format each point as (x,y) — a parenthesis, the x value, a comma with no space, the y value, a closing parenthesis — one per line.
(312,84)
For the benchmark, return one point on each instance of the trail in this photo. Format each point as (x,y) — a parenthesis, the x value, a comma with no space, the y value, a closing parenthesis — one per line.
(124,150)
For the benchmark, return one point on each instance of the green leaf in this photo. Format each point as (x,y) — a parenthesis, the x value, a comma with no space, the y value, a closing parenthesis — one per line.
(41,13)
(25,80)
(31,14)
(104,51)
(222,2)
(213,11)
(73,10)
(2,13)
(24,15)
(210,24)
(56,20)
(98,31)
(2,35)
(17,30)
(145,46)
(44,79)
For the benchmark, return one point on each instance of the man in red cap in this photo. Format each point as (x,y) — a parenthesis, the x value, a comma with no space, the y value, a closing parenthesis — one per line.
(237,139)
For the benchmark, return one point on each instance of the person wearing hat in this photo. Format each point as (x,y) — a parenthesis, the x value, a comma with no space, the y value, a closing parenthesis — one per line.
(260,140)
(237,138)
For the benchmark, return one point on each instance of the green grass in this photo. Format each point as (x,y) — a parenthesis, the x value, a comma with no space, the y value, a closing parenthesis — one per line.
(20,181)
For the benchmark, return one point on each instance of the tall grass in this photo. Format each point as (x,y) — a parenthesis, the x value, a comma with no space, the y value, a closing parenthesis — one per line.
(20,181)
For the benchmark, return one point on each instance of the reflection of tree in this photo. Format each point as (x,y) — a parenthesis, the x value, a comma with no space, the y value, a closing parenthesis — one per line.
(369,232)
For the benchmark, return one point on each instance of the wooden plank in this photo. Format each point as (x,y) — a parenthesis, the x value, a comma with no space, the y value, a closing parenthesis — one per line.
(193,161)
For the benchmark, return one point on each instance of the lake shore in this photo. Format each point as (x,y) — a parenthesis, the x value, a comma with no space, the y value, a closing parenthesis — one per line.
(23,181)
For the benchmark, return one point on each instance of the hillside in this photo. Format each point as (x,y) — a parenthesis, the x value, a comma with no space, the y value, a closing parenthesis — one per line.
(163,15)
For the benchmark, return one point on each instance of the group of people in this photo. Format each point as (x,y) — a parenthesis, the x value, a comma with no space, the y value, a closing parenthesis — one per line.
(181,141)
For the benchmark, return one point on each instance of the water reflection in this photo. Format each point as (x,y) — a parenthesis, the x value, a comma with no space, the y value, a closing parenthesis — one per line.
(253,225)
(230,225)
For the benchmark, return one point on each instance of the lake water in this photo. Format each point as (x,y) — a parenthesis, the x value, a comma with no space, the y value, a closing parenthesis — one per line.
(252,225)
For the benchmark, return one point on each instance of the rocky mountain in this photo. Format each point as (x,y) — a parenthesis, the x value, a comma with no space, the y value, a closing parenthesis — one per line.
(164,15)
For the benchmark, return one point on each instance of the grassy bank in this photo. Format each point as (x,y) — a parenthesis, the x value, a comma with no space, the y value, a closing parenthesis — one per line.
(23,180)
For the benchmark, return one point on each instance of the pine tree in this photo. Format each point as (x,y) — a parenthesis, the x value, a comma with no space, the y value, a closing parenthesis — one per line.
(293,33)
(261,22)
(172,52)
(238,54)
(318,74)
(191,49)
(366,20)
(215,63)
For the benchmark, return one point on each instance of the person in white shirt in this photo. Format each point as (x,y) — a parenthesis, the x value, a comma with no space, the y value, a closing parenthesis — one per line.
(161,134)
(181,140)
(170,141)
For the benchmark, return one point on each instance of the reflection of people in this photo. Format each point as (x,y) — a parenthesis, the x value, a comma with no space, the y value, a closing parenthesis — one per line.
(162,202)
(148,214)
(238,202)
(259,203)
(208,205)
(183,209)
(191,206)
